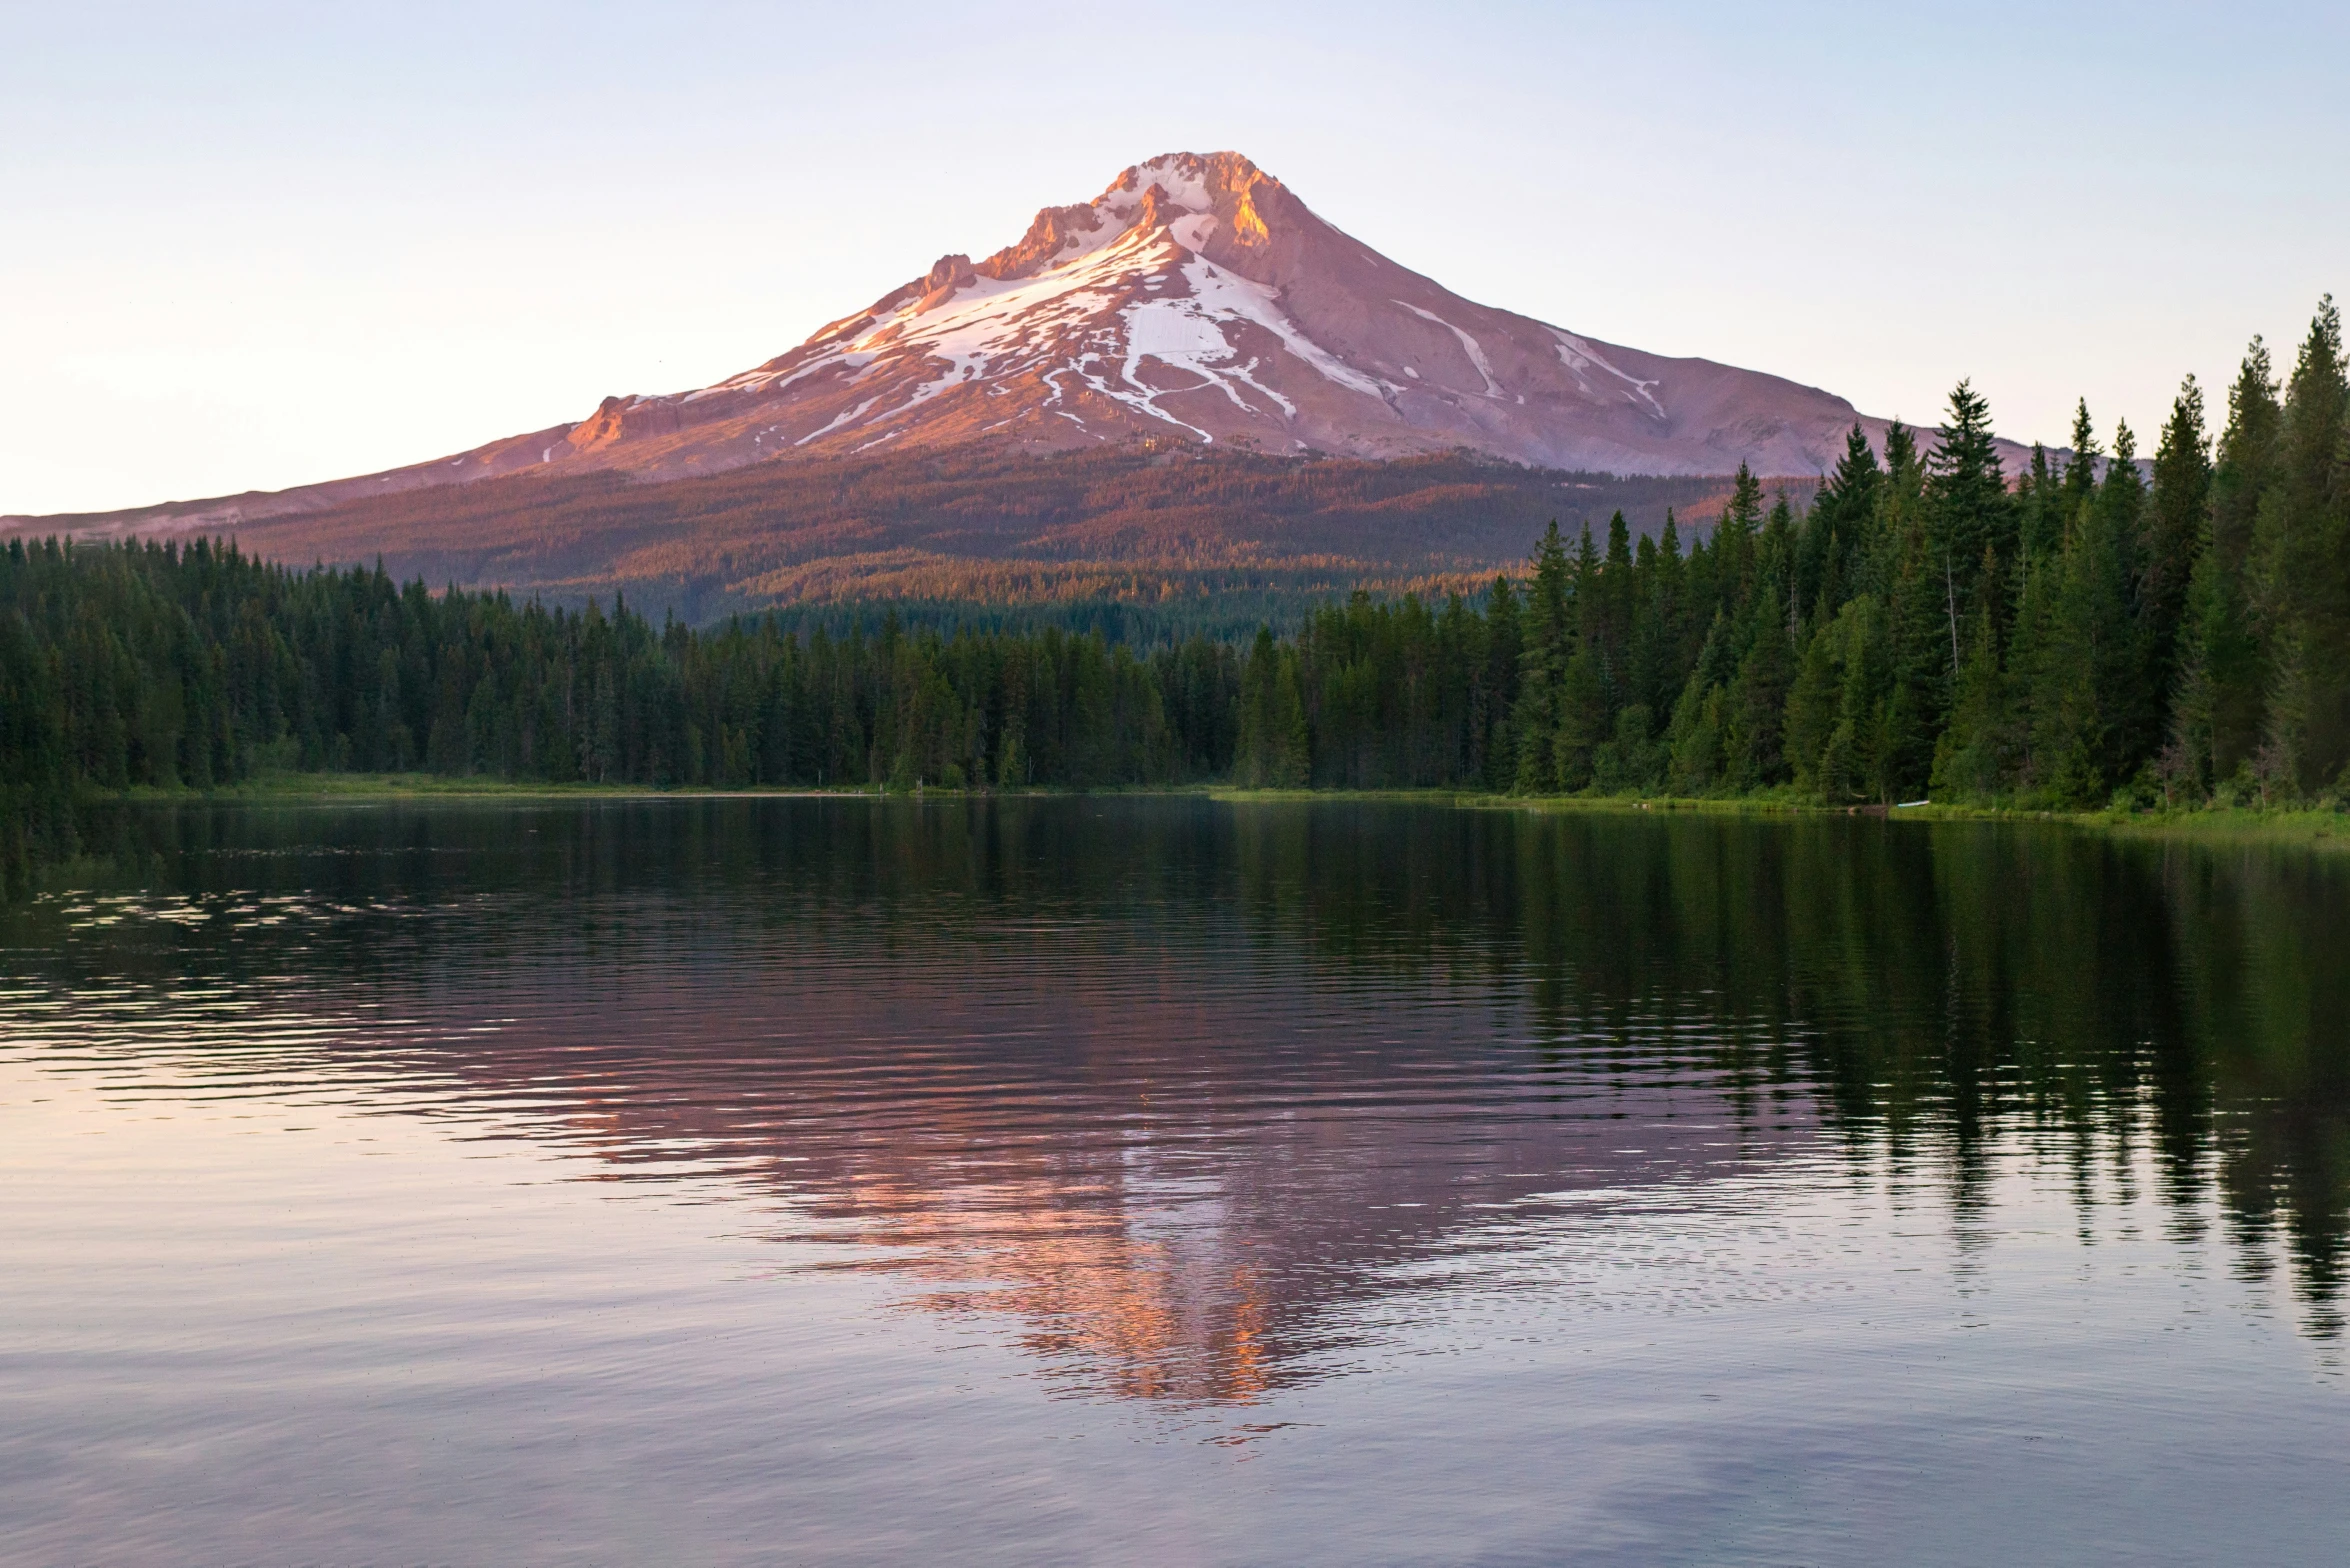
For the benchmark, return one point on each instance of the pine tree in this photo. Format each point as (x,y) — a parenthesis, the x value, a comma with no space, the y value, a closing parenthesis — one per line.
(1812,703)
(1673,643)
(2039,507)
(1592,686)
(1617,601)
(1835,530)
(1757,703)
(1541,665)
(1694,741)
(1974,757)
(1256,762)
(1498,691)
(1923,658)
(2133,704)
(2302,571)
(2080,472)
(1734,546)
(2079,661)
(1972,518)
(1582,719)
(2223,684)
(2177,523)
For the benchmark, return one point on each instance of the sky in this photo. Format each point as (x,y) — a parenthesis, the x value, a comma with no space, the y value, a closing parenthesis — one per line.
(250,246)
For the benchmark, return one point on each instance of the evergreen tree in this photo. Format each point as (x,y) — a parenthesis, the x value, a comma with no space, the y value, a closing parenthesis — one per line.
(1733,549)
(2302,571)
(2177,524)
(1975,756)
(1835,531)
(2081,661)
(2221,704)
(1923,655)
(1859,760)
(1972,517)
(1693,740)
(1670,643)
(1582,719)
(2134,704)
(1757,702)
(2080,472)
(1617,602)
(1542,663)
(1813,702)
(2039,507)
(1498,692)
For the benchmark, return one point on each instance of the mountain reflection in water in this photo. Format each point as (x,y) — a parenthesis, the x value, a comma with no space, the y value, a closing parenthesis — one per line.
(1176,1090)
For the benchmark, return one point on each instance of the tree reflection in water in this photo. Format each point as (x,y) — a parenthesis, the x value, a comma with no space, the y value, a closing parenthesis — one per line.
(1180,1088)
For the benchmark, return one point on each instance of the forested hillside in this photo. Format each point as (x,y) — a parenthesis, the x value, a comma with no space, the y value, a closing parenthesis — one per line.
(1925,626)
(1169,540)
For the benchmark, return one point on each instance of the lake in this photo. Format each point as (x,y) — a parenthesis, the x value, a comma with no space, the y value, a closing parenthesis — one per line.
(1171,1181)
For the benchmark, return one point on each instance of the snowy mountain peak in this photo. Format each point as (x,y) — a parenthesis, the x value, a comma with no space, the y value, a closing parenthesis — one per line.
(1196,299)
(1150,196)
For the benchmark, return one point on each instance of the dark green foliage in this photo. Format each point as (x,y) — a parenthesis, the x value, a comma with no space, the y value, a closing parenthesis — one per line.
(1836,534)
(1973,516)
(2223,691)
(150,665)
(1542,663)
(2301,570)
(2176,526)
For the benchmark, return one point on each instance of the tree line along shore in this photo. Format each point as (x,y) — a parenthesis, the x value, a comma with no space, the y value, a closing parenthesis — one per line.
(2090,633)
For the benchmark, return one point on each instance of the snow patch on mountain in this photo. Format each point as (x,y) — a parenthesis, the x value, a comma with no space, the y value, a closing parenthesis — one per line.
(1182,178)
(1475,352)
(1579,357)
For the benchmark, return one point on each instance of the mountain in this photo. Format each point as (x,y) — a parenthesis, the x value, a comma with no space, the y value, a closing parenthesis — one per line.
(1196,301)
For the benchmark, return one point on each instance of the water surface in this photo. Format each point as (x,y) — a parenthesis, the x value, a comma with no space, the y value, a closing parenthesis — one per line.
(1171,1181)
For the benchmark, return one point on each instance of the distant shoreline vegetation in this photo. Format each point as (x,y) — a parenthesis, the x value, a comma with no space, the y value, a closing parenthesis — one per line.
(2091,636)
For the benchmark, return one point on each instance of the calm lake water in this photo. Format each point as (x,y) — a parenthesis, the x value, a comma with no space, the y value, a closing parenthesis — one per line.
(1172,1182)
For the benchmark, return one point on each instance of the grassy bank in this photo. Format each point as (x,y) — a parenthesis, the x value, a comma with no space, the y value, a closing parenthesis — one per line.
(2315,827)
(363,788)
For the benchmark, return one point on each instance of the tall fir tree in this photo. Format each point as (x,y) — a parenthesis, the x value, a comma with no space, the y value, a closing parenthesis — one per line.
(1975,755)
(1972,516)
(1754,744)
(2039,503)
(1542,663)
(2177,525)
(1835,530)
(2222,695)
(2301,546)
(1498,692)
(2080,471)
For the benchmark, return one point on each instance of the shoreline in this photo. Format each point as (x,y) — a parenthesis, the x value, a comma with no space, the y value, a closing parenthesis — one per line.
(2312,827)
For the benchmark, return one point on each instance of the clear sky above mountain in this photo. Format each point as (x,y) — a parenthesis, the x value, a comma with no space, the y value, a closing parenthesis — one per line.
(252,246)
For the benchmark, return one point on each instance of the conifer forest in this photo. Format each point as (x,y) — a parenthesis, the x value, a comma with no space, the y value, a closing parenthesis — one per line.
(2097,628)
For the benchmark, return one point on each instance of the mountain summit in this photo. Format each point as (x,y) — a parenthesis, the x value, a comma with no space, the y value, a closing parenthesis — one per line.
(1197,299)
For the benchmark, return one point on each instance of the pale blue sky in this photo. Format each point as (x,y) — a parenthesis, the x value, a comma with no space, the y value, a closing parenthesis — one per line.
(254,245)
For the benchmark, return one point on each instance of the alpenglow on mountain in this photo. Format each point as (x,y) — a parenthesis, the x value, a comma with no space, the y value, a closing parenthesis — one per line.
(1196,300)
